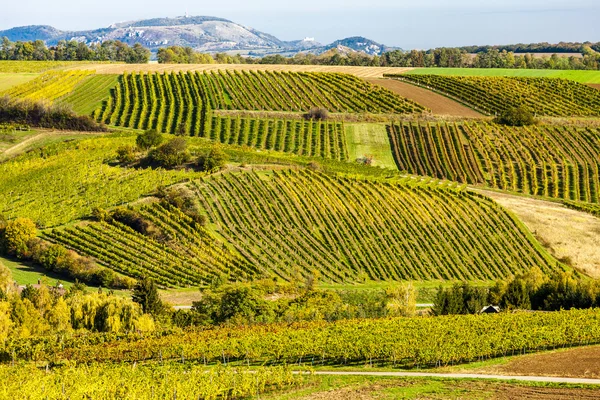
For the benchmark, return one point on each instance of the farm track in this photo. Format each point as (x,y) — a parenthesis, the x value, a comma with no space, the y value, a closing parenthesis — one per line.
(361,72)
(17,148)
(439,105)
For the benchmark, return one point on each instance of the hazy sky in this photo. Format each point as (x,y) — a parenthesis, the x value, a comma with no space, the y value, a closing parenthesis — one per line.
(406,24)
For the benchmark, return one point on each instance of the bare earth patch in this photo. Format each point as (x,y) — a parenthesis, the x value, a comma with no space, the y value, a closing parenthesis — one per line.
(581,362)
(438,104)
(595,85)
(571,236)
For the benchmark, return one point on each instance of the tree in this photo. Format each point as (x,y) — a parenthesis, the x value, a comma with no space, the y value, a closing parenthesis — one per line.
(516,116)
(5,280)
(149,139)
(170,154)
(126,154)
(516,296)
(213,161)
(5,320)
(17,235)
(59,316)
(145,293)
(402,300)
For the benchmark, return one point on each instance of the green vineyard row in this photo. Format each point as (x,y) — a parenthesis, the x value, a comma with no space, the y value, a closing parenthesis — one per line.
(180,102)
(399,342)
(552,161)
(286,223)
(493,95)
(307,138)
(89,94)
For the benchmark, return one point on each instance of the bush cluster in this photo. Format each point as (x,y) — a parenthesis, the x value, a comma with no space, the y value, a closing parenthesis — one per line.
(529,291)
(43,115)
(19,238)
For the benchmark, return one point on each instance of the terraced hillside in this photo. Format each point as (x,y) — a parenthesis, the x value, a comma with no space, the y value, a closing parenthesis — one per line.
(308,138)
(493,95)
(552,161)
(288,223)
(180,102)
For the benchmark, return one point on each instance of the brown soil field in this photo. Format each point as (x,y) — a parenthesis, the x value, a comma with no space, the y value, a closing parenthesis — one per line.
(581,362)
(362,72)
(595,85)
(571,236)
(438,104)
(389,388)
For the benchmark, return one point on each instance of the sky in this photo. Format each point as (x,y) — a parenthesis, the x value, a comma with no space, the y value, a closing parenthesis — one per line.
(412,24)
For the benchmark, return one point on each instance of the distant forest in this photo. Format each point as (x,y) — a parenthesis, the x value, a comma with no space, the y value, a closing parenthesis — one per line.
(578,56)
(585,56)
(72,50)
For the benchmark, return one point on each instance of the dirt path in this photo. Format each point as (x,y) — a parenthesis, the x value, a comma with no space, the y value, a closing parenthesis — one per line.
(521,378)
(21,146)
(438,104)
(571,236)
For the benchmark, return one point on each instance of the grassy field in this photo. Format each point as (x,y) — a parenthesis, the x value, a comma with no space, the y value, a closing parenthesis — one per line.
(369,140)
(577,76)
(8,80)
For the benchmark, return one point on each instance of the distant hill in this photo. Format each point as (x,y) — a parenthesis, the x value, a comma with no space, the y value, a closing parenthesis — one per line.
(206,34)
(356,44)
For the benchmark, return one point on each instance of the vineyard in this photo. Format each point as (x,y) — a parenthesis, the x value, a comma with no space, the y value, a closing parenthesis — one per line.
(180,102)
(89,94)
(285,223)
(552,161)
(394,342)
(122,381)
(64,182)
(593,209)
(307,138)
(186,255)
(349,230)
(49,86)
(493,95)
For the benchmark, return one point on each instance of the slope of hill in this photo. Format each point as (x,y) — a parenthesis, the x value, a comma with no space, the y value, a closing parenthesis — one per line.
(284,224)
(206,34)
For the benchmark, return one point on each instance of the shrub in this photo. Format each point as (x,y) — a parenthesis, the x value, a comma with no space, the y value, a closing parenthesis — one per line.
(149,139)
(516,116)
(45,116)
(170,154)
(16,236)
(317,113)
(135,221)
(213,161)
(126,154)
